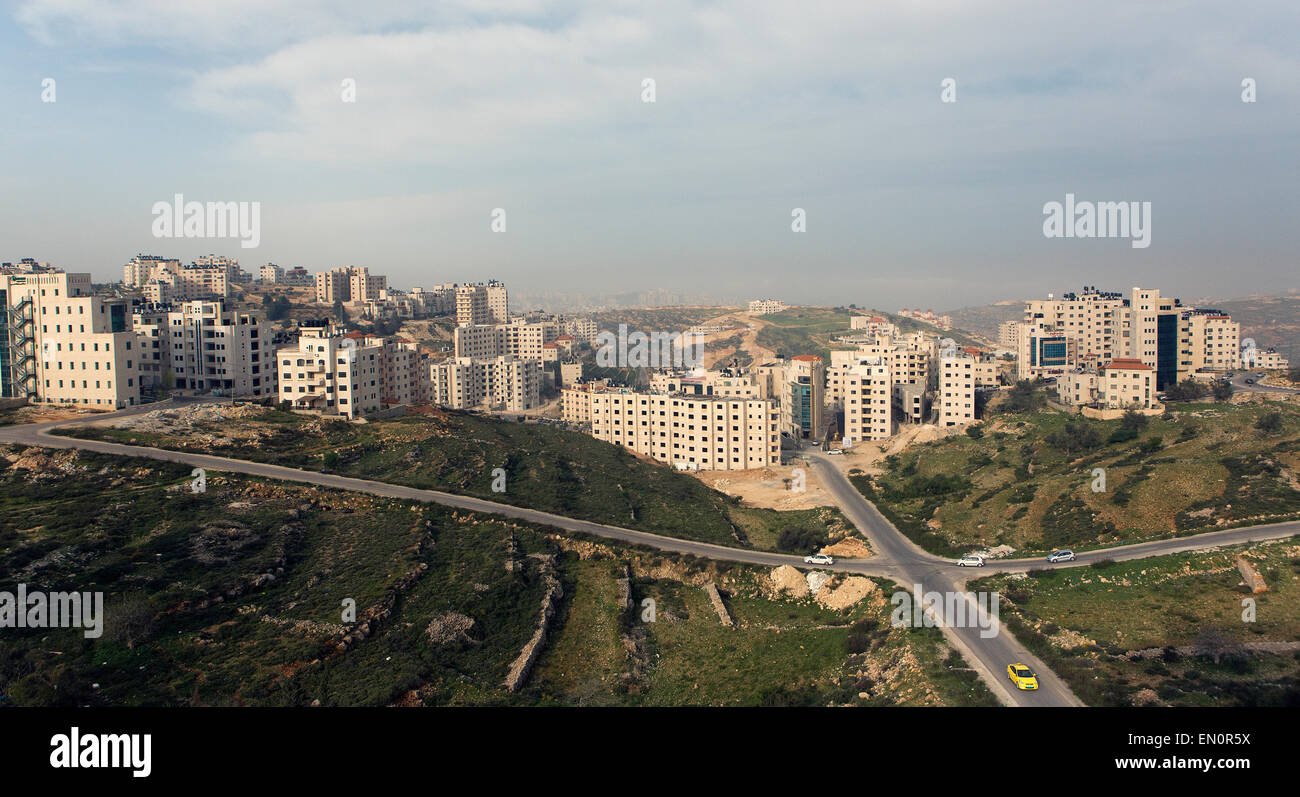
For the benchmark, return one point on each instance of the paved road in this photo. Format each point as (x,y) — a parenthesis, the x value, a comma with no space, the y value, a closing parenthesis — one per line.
(896,557)
(924,573)
(39,435)
(1239,382)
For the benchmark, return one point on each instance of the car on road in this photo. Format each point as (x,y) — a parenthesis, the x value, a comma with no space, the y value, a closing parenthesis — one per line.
(1022,676)
(971,560)
(834,451)
(1250,381)
(818,559)
(1061,556)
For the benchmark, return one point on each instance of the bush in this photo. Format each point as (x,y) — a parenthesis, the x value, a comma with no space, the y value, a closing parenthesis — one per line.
(974,432)
(800,540)
(1075,436)
(1269,423)
(1187,390)
(1223,390)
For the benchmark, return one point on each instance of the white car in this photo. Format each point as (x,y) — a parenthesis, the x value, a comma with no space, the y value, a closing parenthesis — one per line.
(818,559)
(1061,556)
(834,451)
(971,561)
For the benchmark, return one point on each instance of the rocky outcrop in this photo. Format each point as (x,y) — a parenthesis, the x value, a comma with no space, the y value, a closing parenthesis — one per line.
(451,627)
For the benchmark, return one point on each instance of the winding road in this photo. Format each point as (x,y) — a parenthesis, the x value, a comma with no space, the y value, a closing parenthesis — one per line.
(896,557)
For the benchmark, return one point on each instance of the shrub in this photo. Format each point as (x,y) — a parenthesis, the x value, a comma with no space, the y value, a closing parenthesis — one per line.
(1269,423)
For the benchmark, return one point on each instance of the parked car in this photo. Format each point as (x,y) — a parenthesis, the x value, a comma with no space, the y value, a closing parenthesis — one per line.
(1061,556)
(834,451)
(971,560)
(1250,381)
(818,559)
(1022,676)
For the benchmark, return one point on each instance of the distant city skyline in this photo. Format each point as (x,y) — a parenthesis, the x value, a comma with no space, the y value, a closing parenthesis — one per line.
(761,110)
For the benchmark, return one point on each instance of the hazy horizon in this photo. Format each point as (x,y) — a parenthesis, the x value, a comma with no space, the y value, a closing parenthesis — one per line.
(760,108)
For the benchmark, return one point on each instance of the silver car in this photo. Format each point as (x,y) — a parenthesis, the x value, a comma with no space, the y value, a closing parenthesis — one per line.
(1061,556)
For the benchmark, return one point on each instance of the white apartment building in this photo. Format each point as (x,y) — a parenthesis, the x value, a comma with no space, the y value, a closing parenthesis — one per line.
(956,391)
(1267,359)
(348,284)
(688,432)
(482,303)
(270,274)
(1209,340)
(766,306)
(868,401)
(205,347)
(873,325)
(498,383)
(331,372)
(62,345)
(799,386)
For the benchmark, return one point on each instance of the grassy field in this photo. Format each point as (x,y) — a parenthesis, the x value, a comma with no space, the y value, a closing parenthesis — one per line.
(1199,467)
(779,652)
(545,468)
(1183,612)
(235,596)
(812,330)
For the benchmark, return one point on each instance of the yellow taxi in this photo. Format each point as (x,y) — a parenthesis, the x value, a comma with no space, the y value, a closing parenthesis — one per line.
(1022,676)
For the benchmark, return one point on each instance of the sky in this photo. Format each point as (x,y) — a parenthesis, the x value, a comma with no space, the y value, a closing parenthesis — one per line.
(760,107)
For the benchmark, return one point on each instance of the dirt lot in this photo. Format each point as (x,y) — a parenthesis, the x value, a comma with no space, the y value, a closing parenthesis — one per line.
(769,488)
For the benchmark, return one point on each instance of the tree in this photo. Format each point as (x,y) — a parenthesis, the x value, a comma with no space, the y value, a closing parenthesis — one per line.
(1187,390)
(1294,374)
(1222,390)
(974,431)
(1022,397)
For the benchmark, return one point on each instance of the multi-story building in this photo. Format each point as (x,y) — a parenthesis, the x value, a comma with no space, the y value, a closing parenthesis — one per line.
(1007,334)
(799,386)
(868,401)
(1267,359)
(298,277)
(205,347)
(270,274)
(496,383)
(348,284)
(766,306)
(873,325)
(164,280)
(956,392)
(1209,340)
(482,304)
(62,345)
(688,432)
(331,372)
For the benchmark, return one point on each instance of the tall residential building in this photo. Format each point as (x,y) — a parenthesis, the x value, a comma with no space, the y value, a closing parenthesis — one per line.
(62,345)
(270,274)
(164,280)
(496,383)
(205,347)
(348,284)
(1209,340)
(799,385)
(689,432)
(331,372)
(868,401)
(482,304)
(956,392)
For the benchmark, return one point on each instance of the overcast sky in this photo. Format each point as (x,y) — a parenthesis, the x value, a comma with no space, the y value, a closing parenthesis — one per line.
(762,106)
